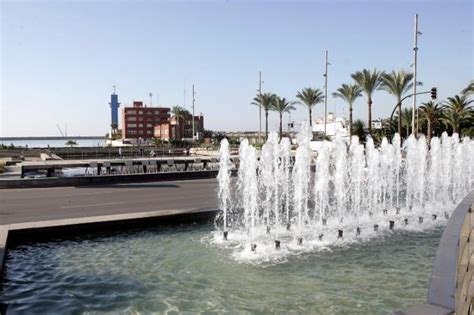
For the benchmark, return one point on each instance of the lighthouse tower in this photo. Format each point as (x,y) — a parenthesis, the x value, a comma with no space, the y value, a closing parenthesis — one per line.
(114,105)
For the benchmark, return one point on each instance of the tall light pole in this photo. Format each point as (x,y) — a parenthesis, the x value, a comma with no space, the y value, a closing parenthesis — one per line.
(415,60)
(326,63)
(259,107)
(150,94)
(193,111)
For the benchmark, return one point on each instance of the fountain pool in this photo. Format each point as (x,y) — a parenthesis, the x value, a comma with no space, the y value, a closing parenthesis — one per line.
(283,203)
(180,270)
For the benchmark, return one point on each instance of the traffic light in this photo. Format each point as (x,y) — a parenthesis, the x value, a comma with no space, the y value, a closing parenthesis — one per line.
(434,92)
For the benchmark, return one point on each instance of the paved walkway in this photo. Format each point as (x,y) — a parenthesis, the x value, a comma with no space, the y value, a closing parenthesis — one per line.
(39,204)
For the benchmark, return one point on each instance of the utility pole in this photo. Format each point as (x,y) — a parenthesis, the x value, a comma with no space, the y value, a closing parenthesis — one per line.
(415,59)
(184,94)
(325,92)
(260,107)
(193,111)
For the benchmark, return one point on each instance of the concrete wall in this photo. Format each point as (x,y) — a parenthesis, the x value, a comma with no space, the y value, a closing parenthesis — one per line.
(103,179)
(451,289)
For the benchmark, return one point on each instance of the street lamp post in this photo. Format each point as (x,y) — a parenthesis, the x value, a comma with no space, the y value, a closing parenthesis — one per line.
(260,107)
(194,93)
(326,63)
(414,127)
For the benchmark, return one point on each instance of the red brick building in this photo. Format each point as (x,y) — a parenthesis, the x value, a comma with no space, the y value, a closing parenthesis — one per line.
(139,121)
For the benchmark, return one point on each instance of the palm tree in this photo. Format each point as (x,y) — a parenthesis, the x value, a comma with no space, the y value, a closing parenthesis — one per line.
(266,101)
(469,89)
(369,82)
(406,120)
(349,93)
(180,114)
(310,97)
(282,105)
(432,113)
(398,84)
(458,110)
(359,130)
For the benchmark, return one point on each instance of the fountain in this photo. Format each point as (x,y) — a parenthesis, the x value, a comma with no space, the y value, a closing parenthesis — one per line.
(343,193)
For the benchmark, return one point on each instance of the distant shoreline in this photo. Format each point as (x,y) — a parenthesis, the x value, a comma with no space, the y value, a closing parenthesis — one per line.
(52,138)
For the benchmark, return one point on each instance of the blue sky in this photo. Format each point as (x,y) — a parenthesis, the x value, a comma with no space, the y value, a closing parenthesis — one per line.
(59,59)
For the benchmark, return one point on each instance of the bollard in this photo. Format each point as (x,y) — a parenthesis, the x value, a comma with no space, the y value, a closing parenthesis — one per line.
(299,241)
(277,244)
(391,225)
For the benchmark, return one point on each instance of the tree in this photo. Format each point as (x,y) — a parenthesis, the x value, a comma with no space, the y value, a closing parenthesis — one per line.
(369,82)
(349,93)
(431,112)
(282,105)
(469,89)
(458,110)
(359,130)
(406,120)
(266,102)
(398,84)
(71,143)
(180,115)
(310,97)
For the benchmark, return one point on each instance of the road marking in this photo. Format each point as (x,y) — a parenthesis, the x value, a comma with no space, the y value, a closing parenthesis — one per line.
(93,205)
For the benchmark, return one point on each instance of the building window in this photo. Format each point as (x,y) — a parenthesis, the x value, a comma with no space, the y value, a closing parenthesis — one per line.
(131,125)
(131,112)
(140,112)
(131,118)
(149,125)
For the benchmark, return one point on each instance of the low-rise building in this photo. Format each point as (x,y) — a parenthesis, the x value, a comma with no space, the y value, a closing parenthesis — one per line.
(179,128)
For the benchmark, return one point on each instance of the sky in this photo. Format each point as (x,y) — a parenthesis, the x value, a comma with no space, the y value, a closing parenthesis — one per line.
(60,59)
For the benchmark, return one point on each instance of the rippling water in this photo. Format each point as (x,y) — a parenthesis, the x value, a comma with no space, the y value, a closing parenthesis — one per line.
(178,270)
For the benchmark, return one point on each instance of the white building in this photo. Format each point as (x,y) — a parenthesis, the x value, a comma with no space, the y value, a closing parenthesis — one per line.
(334,125)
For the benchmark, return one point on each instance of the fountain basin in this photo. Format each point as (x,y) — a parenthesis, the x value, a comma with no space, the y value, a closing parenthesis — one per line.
(181,269)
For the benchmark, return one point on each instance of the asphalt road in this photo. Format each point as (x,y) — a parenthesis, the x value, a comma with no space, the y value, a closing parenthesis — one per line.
(39,204)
